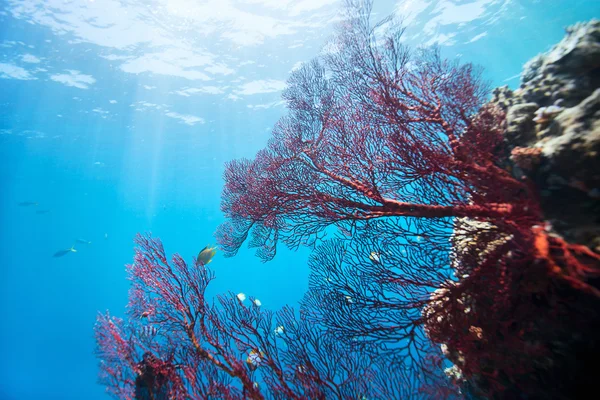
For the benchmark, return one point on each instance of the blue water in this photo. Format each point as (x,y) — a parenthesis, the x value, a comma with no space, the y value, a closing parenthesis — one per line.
(118,117)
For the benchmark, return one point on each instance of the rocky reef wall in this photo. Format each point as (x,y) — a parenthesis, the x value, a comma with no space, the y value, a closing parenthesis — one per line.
(552,141)
(553,132)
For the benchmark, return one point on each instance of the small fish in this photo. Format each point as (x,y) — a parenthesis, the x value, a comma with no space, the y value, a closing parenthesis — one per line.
(374,256)
(82,241)
(149,331)
(345,231)
(145,314)
(255,358)
(206,255)
(61,253)
(257,303)
(105,236)
(28,203)
(241,296)
(349,299)
(40,212)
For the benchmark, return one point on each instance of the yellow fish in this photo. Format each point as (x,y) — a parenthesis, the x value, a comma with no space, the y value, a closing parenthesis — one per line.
(206,255)
(254,359)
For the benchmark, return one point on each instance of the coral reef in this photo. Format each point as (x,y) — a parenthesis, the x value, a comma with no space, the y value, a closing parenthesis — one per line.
(396,151)
(441,250)
(552,139)
(553,132)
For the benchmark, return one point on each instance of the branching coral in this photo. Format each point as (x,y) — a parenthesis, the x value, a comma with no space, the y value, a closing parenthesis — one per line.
(187,348)
(396,151)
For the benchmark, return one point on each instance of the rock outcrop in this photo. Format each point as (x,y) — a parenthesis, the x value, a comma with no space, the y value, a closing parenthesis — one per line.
(552,138)
(553,132)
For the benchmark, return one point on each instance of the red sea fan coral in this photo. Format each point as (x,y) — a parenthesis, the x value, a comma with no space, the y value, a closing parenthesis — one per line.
(395,150)
(372,132)
(436,245)
(187,348)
